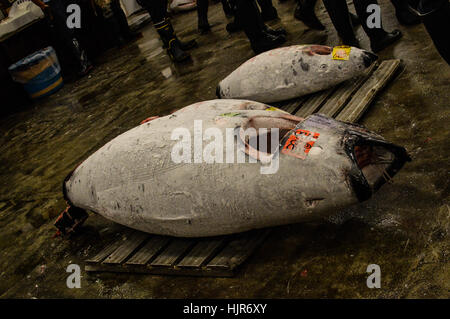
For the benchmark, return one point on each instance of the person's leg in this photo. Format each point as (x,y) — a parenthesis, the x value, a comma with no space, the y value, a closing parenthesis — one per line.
(268,11)
(379,38)
(228,8)
(436,19)
(248,14)
(158,11)
(304,11)
(404,15)
(339,15)
(202,13)
(123,22)
(68,37)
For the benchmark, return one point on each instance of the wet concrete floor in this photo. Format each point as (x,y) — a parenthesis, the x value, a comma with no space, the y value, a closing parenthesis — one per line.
(403,228)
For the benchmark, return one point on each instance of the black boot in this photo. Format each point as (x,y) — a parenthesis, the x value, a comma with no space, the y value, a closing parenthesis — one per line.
(202,12)
(171,43)
(79,52)
(379,38)
(265,42)
(268,11)
(234,26)
(274,32)
(340,16)
(304,11)
(248,15)
(382,42)
(403,14)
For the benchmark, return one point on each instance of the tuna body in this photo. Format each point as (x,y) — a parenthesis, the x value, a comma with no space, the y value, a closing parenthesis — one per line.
(133,180)
(290,72)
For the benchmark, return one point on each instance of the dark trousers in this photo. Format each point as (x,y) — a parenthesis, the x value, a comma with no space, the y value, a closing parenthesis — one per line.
(339,14)
(68,38)
(156,8)
(248,15)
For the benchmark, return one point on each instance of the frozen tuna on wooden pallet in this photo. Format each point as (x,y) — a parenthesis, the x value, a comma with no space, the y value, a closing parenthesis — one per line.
(294,71)
(315,166)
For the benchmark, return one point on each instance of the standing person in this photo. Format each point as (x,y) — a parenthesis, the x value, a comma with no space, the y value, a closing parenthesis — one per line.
(339,14)
(304,11)
(403,14)
(56,12)
(202,13)
(175,48)
(435,15)
(262,38)
(116,22)
(268,12)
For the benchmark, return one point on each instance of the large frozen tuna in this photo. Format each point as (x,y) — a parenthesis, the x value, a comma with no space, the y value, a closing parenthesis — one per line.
(290,72)
(313,167)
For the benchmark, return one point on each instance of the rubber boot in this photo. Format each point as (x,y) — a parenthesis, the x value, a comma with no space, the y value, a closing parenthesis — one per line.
(403,14)
(268,11)
(253,25)
(171,43)
(274,32)
(80,53)
(304,11)
(340,16)
(202,13)
(379,38)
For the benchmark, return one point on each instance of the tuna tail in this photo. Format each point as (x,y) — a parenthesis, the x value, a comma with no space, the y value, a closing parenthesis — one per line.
(72,217)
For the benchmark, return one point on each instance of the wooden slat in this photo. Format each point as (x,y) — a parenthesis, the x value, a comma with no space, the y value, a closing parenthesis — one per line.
(238,250)
(126,248)
(337,100)
(313,103)
(362,99)
(178,271)
(148,251)
(104,253)
(202,251)
(174,252)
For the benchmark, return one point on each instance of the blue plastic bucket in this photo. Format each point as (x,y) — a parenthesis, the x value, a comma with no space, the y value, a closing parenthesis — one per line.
(40,73)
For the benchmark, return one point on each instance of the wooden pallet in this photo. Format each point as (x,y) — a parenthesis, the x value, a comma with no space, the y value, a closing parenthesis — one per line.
(221,256)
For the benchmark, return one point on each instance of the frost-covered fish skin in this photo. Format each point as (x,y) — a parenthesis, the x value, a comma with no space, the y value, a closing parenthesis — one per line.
(290,72)
(324,165)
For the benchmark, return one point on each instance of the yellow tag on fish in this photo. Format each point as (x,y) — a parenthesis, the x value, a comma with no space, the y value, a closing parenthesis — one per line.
(341,52)
(272,109)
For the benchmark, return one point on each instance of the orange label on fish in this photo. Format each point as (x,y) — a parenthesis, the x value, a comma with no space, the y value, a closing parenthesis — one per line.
(341,52)
(299,143)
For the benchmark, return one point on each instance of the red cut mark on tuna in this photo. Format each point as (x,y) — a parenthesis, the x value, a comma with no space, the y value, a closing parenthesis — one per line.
(299,143)
(318,49)
(148,119)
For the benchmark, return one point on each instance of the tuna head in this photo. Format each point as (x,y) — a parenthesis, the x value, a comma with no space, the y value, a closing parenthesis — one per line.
(337,162)
(363,159)
(294,71)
